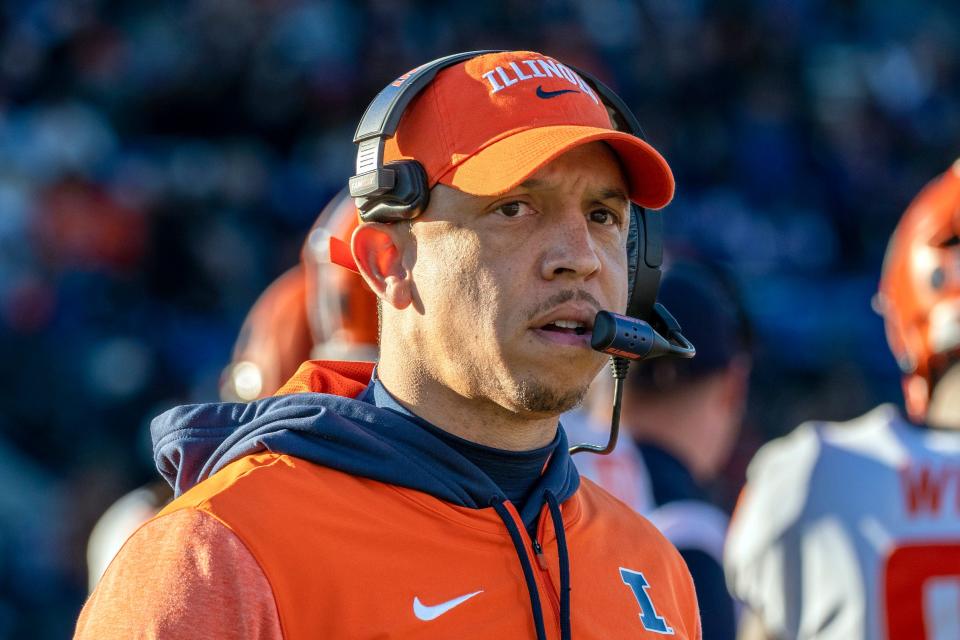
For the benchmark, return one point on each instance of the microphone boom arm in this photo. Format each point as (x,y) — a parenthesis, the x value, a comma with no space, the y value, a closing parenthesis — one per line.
(626,339)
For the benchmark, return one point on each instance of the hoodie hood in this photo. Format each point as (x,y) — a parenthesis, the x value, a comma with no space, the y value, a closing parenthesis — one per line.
(352,435)
(358,437)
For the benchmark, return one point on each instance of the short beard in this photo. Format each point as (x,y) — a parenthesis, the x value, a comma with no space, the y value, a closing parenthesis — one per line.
(535,397)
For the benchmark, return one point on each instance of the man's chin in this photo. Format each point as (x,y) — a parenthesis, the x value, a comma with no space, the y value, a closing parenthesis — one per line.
(536,397)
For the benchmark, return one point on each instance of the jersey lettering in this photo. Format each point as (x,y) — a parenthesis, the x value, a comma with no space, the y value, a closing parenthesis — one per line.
(649,617)
(923,487)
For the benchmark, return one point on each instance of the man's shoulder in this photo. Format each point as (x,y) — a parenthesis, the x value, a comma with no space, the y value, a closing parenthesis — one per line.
(795,477)
(786,468)
(263,478)
(602,509)
(239,475)
(604,503)
(193,577)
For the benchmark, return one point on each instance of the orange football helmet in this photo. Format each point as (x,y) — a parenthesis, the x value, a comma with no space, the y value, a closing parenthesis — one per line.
(340,306)
(919,295)
(317,309)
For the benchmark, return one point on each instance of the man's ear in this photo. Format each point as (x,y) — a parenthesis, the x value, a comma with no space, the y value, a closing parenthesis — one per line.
(377,251)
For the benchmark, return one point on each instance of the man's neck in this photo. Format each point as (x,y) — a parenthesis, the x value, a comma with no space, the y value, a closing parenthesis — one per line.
(478,420)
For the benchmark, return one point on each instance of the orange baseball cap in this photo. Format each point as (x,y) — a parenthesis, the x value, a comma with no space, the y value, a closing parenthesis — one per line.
(485,125)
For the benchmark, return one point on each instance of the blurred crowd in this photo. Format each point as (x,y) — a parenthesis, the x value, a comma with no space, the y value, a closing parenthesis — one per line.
(160,164)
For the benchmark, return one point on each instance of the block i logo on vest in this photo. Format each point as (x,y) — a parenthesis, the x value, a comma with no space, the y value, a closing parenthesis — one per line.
(649,618)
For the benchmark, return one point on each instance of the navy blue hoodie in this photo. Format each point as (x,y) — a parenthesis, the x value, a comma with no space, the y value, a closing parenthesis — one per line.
(355,436)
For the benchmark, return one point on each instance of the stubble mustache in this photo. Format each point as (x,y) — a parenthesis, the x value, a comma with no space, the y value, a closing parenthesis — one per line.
(562,297)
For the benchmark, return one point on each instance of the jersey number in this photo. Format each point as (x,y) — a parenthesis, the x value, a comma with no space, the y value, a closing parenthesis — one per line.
(922,592)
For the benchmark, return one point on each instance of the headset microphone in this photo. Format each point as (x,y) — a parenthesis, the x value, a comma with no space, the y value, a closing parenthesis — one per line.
(626,338)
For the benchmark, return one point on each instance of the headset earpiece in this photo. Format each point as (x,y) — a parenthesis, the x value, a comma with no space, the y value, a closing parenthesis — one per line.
(645,257)
(407,199)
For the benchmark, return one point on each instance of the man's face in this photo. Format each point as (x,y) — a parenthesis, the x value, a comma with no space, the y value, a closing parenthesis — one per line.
(505,288)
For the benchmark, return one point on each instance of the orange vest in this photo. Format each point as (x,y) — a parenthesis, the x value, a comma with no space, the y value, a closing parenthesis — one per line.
(351,557)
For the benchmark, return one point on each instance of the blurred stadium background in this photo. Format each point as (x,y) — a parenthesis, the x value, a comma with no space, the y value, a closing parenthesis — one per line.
(160,164)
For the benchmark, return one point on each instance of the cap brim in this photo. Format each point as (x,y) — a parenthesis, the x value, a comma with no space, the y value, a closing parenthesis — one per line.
(506,163)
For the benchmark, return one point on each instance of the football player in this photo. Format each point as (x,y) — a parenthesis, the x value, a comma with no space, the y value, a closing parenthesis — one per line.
(852,530)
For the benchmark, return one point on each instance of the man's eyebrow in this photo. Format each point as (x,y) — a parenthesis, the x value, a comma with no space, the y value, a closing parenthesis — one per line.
(532,183)
(611,193)
(607,193)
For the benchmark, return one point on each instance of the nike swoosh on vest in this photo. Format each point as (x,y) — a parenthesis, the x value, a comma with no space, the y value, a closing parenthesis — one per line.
(427,613)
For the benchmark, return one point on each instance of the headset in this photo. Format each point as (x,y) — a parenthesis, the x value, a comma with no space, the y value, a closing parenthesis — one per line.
(399,190)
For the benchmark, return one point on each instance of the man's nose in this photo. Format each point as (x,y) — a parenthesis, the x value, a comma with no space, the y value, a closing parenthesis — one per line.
(571,249)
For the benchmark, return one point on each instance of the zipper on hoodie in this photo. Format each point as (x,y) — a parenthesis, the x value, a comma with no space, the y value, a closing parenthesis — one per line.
(538,550)
(544,582)
(544,567)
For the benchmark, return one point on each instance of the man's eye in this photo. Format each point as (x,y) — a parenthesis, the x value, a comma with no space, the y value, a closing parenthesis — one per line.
(514,209)
(604,216)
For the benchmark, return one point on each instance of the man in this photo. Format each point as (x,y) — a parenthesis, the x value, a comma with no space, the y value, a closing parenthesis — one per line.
(853,530)
(316,309)
(682,418)
(435,498)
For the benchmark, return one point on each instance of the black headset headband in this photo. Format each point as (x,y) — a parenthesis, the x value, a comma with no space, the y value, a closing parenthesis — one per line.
(374,181)
(383,115)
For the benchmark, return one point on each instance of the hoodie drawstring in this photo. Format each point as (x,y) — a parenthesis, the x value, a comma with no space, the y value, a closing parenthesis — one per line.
(517,538)
(554,507)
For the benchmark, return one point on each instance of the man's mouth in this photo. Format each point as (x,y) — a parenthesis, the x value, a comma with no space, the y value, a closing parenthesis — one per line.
(566,326)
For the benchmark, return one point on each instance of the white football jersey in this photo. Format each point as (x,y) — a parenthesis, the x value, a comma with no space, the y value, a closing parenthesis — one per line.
(852,530)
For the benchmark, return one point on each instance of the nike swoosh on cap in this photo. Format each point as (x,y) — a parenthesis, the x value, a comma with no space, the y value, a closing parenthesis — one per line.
(423,612)
(546,95)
